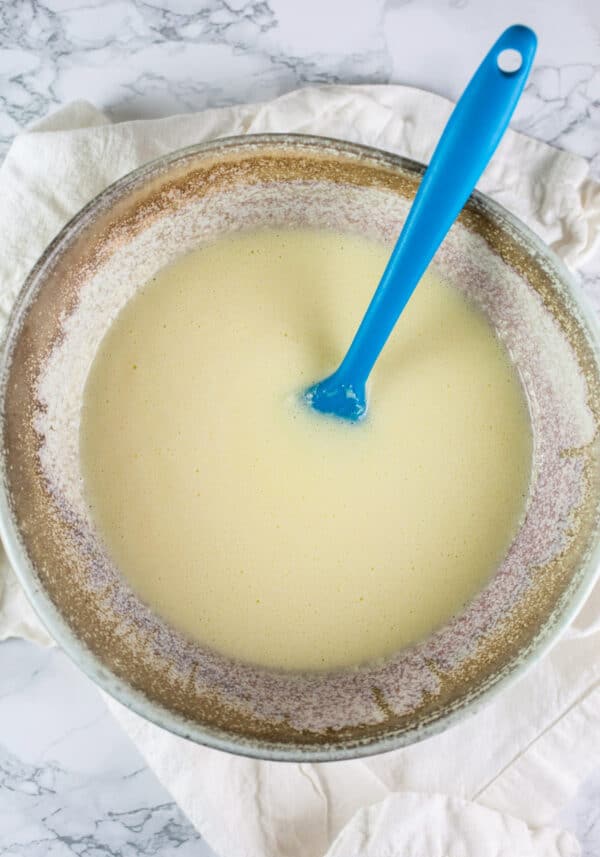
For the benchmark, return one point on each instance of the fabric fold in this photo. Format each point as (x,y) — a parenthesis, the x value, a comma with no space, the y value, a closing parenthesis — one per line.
(413,825)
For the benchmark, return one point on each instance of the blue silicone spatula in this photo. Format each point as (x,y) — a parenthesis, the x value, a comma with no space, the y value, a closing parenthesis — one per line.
(467,143)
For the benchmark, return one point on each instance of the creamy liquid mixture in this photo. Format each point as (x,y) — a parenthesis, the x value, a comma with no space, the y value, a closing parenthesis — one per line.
(262,529)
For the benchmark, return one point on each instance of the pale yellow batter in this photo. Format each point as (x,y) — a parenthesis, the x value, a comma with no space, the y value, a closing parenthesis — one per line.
(269,532)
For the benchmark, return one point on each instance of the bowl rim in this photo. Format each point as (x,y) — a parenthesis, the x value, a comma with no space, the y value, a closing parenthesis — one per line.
(135,700)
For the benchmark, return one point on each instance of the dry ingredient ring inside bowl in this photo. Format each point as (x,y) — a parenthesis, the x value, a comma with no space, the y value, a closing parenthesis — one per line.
(115,245)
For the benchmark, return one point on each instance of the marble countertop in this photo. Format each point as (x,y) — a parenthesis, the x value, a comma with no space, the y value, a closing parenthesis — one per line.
(70,781)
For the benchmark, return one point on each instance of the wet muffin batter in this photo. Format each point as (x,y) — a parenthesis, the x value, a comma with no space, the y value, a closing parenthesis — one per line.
(269,532)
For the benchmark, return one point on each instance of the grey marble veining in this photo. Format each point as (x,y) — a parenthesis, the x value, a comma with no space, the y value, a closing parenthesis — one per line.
(70,782)
(562,107)
(139,59)
(583,816)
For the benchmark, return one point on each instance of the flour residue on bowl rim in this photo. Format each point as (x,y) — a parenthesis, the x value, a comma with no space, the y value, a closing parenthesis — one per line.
(560,421)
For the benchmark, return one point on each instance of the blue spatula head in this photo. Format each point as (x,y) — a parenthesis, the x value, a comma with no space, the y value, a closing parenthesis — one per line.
(333,396)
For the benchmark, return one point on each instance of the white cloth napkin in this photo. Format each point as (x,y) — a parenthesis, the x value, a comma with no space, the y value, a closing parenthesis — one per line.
(489,787)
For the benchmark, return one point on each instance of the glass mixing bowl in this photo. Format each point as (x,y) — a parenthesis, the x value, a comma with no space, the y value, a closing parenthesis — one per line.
(111,248)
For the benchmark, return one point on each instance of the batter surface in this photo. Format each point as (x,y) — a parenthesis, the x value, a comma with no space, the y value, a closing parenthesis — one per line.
(262,529)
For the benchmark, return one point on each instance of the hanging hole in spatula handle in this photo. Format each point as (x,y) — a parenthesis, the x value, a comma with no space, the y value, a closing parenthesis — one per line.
(479,120)
(509,61)
(515,50)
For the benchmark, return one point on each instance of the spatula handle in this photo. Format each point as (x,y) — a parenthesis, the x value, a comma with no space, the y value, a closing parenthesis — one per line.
(467,143)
